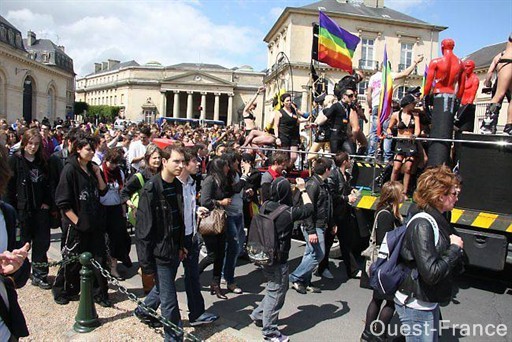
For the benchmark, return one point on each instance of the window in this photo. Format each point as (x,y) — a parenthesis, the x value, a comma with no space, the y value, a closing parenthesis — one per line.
(367,61)
(361,87)
(405,56)
(400,92)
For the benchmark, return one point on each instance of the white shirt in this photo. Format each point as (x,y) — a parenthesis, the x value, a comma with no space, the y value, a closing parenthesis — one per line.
(375,83)
(137,149)
(189,205)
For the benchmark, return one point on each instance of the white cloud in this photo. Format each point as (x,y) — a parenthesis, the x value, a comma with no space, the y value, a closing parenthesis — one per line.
(169,32)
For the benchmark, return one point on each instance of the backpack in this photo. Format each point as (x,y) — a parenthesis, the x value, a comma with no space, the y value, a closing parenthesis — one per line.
(135,199)
(386,273)
(263,243)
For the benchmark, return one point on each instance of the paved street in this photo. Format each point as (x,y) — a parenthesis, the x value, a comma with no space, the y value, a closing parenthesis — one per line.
(337,314)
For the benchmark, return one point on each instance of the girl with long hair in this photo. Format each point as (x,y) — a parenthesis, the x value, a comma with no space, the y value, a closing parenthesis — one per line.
(118,241)
(29,193)
(387,218)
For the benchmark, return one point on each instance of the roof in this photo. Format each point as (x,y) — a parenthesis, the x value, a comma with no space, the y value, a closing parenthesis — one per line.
(11,35)
(484,56)
(356,9)
(197,66)
(117,66)
(362,10)
(42,45)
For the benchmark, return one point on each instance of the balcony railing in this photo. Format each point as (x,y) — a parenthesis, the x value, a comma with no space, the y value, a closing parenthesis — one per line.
(402,67)
(368,64)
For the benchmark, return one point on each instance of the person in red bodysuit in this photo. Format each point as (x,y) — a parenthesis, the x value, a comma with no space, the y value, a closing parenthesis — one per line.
(447,71)
(465,117)
(504,85)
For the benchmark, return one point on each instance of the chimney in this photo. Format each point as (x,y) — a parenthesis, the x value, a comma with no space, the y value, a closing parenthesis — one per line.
(104,66)
(62,48)
(31,38)
(374,3)
(112,63)
(97,67)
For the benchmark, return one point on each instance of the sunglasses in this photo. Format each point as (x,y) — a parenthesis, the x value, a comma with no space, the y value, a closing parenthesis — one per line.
(350,95)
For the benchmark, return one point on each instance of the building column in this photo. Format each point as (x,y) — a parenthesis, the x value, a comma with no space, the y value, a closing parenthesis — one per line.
(203,106)
(189,104)
(176,107)
(230,110)
(216,107)
(163,108)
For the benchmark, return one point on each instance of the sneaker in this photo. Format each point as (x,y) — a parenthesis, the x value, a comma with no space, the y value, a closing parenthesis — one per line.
(41,282)
(356,275)
(235,289)
(508,129)
(205,318)
(313,289)
(299,288)
(280,338)
(327,274)
(150,321)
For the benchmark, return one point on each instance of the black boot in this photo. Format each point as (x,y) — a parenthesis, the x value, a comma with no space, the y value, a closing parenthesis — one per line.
(491,119)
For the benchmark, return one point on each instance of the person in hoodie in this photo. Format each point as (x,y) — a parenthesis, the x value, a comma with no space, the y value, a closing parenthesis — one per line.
(267,312)
(83,221)
(28,192)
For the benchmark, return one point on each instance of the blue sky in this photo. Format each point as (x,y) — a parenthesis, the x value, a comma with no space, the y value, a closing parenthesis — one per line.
(225,32)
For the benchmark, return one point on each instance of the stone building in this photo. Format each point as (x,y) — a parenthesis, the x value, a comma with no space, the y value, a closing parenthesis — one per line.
(289,44)
(186,90)
(36,77)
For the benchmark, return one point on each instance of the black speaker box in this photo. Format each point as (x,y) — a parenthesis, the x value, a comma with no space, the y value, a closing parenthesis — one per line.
(486,173)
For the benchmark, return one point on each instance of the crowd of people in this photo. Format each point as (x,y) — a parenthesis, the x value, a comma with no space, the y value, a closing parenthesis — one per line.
(94,182)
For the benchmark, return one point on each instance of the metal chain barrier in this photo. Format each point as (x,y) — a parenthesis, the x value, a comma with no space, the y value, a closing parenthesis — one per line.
(113,281)
(63,262)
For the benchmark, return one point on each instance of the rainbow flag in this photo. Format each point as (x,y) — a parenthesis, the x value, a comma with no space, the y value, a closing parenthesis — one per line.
(386,93)
(424,80)
(335,45)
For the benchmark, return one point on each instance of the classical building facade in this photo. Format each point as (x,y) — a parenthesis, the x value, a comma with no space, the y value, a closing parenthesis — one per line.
(289,44)
(187,90)
(36,77)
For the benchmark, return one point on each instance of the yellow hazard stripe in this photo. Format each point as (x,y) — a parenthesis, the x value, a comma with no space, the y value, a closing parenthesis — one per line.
(484,220)
(509,229)
(369,165)
(456,215)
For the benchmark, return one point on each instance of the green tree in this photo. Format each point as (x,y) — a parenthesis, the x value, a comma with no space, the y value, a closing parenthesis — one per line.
(80,107)
(107,112)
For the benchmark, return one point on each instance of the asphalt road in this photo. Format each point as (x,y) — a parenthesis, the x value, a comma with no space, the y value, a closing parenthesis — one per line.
(337,314)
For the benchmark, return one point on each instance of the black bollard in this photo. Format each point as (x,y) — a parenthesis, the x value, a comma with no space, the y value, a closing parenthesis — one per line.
(86,319)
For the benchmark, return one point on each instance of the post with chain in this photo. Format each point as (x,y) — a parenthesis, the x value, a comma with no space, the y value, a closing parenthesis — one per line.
(86,319)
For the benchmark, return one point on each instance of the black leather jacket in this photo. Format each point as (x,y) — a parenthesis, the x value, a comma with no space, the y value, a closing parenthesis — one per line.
(318,191)
(340,188)
(156,241)
(433,266)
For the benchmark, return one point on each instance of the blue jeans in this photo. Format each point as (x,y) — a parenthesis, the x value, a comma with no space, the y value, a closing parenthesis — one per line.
(195,299)
(165,291)
(235,225)
(313,254)
(272,303)
(419,325)
(373,138)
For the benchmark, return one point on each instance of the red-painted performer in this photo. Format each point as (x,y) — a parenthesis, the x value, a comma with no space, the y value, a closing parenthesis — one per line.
(465,117)
(503,86)
(447,71)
